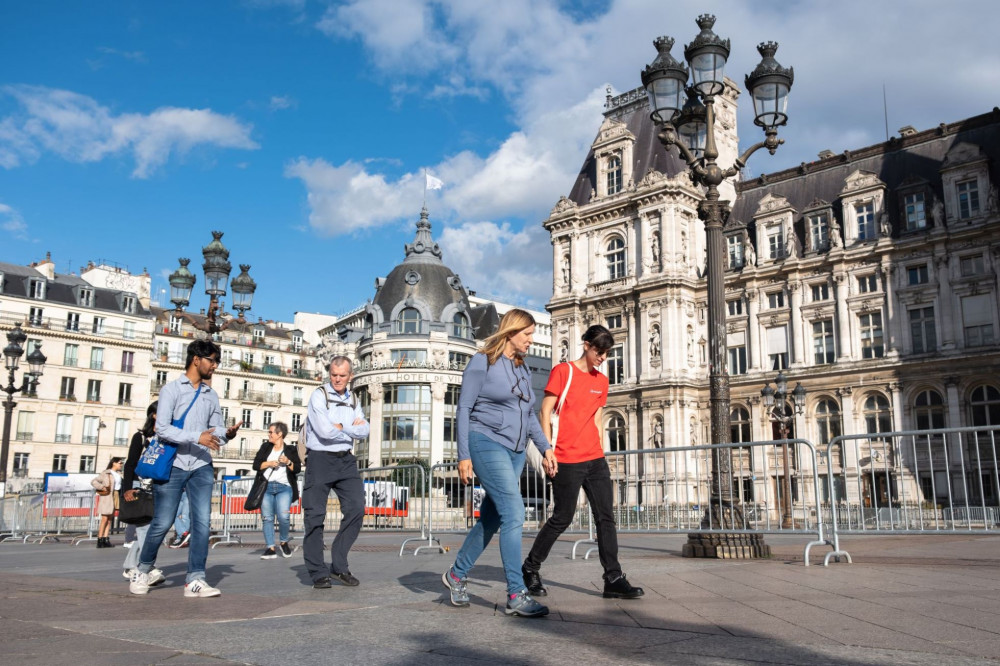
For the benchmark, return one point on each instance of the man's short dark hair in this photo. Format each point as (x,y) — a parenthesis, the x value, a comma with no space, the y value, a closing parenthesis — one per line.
(202,349)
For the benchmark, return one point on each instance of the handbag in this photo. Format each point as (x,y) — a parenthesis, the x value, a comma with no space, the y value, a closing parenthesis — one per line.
(534,457)
(139,511)
(158,458)
(256,495)
(103,489)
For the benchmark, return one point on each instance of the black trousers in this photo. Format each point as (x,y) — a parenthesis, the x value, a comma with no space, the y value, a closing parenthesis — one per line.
(325,472)
(595,479)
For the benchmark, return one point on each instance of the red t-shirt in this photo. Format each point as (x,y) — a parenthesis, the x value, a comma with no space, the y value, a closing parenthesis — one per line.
(578,439)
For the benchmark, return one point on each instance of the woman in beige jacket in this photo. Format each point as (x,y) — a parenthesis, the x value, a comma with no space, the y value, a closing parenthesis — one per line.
(107,484)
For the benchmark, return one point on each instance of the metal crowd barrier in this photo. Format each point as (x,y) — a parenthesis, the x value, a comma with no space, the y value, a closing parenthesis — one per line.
(941,481)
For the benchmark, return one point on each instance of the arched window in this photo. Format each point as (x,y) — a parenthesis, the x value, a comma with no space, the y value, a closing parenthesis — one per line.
(614,175)
(739,425)
(828,420)
(877,416)
(928,410)
(985,406)
(616,433)
(409,321)
(460,326)
(615,256)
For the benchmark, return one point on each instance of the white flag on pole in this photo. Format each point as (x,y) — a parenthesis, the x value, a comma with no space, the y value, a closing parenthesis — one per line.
(433,183)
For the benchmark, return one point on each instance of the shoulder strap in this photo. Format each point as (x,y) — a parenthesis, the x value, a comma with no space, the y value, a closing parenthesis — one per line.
(184,415)
(562,397)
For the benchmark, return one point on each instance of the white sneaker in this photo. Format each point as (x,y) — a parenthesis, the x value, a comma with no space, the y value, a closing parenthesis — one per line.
(140,582)
(127,573)
(128,544)
(200,588)
(156,577)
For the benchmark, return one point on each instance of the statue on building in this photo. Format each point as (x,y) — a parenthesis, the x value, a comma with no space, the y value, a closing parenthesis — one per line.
(657,434)
(654,341)
(884,226)
(563,352)
(992,204)
(749,254)
(835,239)
(937,213)
(654,249)
(792,245)
(565,271)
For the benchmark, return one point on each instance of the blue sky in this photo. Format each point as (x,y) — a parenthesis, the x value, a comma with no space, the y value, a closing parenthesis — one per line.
(301,128)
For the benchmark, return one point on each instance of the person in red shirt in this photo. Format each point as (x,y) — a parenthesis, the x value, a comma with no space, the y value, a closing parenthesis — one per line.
(581,464)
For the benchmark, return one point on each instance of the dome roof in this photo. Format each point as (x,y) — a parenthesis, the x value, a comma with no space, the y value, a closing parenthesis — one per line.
(422,282)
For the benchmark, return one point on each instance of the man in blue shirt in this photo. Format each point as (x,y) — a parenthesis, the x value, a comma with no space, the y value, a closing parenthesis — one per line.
(333,421)
(188,417)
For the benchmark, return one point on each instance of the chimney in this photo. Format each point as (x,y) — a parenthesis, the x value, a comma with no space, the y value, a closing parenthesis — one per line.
(825,154)
(907,130)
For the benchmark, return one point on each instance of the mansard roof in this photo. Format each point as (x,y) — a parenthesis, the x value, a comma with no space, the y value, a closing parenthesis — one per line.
(648,154)
(63,289)
(901,161)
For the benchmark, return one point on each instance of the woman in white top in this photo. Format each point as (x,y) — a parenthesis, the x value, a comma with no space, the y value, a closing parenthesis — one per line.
(279,465)
(107,484)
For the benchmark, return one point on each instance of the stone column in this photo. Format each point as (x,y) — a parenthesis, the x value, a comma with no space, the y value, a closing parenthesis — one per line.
(437,421)
(796,356)
(844,344)
(946,299)
(375,422)
(755,360)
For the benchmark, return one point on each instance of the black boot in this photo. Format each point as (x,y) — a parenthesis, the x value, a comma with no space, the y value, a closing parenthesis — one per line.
(533,581)
(100,542)
(619,588)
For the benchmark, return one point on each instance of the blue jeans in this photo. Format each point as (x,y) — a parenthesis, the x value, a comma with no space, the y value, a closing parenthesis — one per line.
(166,496)
(277,498)
(182,523)
(498,469)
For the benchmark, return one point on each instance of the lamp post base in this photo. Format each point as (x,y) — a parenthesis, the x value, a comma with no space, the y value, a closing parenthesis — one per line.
(727,546)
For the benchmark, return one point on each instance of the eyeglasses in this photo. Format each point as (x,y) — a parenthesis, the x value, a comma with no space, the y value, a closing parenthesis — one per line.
(213,361)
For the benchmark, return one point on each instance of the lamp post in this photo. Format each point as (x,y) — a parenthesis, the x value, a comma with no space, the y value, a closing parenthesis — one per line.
(29,383)
(101,425)
(689,124)
(776,406)
(217,269)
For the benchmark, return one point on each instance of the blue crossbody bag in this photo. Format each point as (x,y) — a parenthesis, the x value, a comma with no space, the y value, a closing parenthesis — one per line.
(158,458)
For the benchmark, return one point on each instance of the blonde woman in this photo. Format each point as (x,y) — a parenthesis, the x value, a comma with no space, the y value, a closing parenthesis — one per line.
(495,419)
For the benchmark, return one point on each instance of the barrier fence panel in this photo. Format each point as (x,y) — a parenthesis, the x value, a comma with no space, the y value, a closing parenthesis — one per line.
(941,481)
(453,508)
(773,488)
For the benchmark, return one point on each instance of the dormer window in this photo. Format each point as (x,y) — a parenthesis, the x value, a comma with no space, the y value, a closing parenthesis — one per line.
(776,242)
(614,175)
(968,198)
(296,343)
(258,334)
(36,289)
(409,321)
(175,324)
(128,304)
(864,216)
(735,246)
(916,215)
(819,232)
(460,326)
(87,298)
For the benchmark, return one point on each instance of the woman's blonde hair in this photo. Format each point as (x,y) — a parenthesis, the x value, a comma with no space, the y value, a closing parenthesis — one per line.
(513,322)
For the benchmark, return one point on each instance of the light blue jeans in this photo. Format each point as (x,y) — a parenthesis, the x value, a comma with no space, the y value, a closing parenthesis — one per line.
(166,496)
(498,469)
(277,499)
(182,523)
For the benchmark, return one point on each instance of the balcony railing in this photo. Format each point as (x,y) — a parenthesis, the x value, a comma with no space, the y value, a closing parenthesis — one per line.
(93,397)
(155,386)
(90,439)
(69,397)
(124,402)
(127,368)
(62,438)
(260,396)
(97,365)
(121,441)
(24,434)
(297,402)
(70,362)
(50,323)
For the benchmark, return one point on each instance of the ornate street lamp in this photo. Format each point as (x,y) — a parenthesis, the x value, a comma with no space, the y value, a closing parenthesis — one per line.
(217,269)
(778,408)
(682,124)
(29,385)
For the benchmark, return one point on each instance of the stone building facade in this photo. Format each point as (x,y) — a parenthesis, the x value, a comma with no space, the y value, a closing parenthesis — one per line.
(869,276)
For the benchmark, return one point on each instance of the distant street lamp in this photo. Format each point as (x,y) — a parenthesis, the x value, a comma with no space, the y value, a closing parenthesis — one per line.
(777,407)
(29,385)
(217,269)
(100,426)
(684,112)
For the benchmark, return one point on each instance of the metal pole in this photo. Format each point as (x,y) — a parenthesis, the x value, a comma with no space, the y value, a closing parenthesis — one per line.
(8,412)
(786,518)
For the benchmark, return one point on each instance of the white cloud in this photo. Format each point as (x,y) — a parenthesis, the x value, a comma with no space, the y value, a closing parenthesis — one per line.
(347,198)
(12,222)
(500,262)
(278,103)
(79,129)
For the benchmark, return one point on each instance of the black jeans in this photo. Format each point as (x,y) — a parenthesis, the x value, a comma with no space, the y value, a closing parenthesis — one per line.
(325,472)
(595,479)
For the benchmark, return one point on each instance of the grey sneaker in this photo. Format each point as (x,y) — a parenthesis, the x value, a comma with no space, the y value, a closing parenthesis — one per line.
(456,586)
(139,583)
(522,604)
